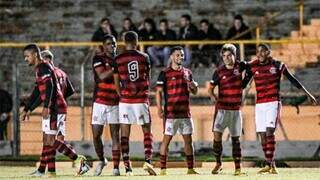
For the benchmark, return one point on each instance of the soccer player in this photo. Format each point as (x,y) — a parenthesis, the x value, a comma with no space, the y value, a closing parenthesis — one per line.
(105,106)
(54,112)
(35,100)
(267,72)
(228,78)
(132,76)
(174,86)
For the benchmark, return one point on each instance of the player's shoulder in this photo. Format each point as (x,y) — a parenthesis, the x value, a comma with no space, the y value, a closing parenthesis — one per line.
(187,70)
(253,62)
(60,71)
(44,66)
(277,63)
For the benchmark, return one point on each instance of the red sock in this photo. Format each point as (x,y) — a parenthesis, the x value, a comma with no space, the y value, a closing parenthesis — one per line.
(163,161)
(190,161)
(125,152)
(116,158)
(264,148)
(43,161)
(51,159)
(270,149)
(148,150)
(236,152)
(65,149)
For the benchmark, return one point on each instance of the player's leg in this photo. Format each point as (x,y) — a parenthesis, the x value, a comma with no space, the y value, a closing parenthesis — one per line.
(266,114)
(164,153)
(185,127)
(63,147)
(43,161)
(97,131)
(116,154)
(148,148)
(235,129)
(270,152)
(219,124)
(189,152)
(217,151)
(51,153)
(125,149)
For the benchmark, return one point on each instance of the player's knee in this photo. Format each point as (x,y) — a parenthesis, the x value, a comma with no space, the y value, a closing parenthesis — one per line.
(217,147)
(270,131)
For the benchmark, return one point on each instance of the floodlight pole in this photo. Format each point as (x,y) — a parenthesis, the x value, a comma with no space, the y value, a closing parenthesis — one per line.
(16,105)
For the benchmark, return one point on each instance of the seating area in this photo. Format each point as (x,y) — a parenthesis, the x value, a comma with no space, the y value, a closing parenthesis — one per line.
(298,54)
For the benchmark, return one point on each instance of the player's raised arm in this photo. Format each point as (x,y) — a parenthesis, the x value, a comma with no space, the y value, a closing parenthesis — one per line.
(100,70)
(296,83)
(193,85)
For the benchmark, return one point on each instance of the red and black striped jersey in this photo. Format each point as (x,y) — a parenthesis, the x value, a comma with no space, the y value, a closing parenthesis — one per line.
(104,90)
(50,90)
(64,82)
(175,84)
(229,82)
(133,68)
(267,79)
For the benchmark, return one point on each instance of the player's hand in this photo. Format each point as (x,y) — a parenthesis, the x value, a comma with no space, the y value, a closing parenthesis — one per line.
(192,86)
(24,116)
(45,113)
(160,113)
(213,99)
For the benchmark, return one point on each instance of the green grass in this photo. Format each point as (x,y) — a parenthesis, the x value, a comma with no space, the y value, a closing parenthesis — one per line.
(179,173)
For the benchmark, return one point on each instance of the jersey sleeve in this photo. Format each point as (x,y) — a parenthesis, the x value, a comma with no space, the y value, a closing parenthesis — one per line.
(97,61)
(215,79)
(46,87)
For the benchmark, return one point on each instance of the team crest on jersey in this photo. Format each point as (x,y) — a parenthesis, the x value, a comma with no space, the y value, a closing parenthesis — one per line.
(257,72)
(223,77)
(272,70)
(173,78)
(236,72)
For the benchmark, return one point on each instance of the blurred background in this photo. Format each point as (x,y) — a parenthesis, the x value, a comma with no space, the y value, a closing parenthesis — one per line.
(73,29)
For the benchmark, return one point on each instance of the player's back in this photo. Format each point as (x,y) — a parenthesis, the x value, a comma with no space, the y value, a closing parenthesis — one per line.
(133,68)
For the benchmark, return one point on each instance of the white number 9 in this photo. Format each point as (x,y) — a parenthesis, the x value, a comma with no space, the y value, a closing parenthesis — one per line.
(133,69)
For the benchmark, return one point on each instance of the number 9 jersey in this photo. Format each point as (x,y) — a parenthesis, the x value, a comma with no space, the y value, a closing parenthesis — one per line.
(133,68)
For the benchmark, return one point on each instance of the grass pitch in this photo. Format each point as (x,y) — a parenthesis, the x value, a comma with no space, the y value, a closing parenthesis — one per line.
(15,172)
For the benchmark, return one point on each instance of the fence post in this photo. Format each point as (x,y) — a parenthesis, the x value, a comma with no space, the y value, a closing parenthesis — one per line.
(82,102)
(241,51)
(16,105)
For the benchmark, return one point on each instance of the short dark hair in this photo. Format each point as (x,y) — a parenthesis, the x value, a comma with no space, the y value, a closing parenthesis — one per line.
(186,16)
(229,47)
(164,21)
(204,21)
(176,48)
(47,54)
(265,46)
(130,37)
(106,37)
(239,17)
(104,19)
(33,48)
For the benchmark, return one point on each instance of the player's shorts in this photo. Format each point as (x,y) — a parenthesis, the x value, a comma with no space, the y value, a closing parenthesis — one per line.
(104,114)
(267,115)
(231,119)
(136,113)
(183,126)
(54,125)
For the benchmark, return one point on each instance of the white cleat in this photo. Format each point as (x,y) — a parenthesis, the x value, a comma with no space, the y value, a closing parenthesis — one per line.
(116,172)
(100,167)
(36,173)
